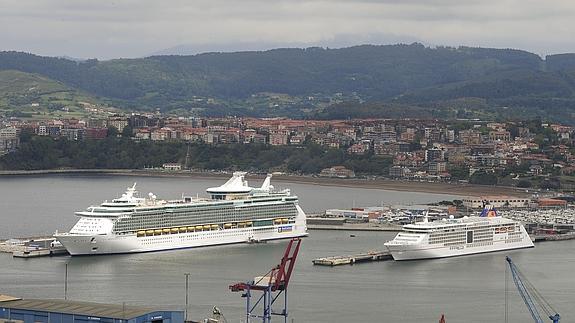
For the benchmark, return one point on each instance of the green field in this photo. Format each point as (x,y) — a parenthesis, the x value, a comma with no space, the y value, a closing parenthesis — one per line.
(31,96)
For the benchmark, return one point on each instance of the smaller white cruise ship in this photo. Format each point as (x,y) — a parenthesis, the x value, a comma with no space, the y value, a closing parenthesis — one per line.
(457,237)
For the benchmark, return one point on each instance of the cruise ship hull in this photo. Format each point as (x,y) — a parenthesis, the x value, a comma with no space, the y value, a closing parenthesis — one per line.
(417,252)
(458,238)
(130,243)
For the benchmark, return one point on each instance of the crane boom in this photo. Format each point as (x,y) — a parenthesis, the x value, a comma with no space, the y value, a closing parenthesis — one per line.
(526,290)
(272,284)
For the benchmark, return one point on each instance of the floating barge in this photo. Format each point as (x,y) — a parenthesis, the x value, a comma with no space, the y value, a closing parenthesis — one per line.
(352,259)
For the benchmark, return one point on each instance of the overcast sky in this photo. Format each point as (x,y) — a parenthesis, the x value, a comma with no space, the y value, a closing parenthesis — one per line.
(134,28)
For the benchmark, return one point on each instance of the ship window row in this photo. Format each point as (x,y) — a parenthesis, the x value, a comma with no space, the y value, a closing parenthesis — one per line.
(216,211)
(216,207)
(455,243)
(221,212)
(197,220)
(487,234)
(481,244)
(447,241)
(130,224)
(148,241)
(434,241)
(459,235)
(440,239)
(206,217)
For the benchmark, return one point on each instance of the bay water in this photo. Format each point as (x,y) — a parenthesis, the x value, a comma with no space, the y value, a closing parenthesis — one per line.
(465,289)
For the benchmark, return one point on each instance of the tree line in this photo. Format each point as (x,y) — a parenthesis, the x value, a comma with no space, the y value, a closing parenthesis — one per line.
(39,152)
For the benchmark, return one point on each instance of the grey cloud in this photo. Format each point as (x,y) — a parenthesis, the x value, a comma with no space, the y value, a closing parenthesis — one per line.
(132,28)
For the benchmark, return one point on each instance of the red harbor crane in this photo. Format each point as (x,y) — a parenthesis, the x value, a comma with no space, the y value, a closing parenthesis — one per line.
(272,285)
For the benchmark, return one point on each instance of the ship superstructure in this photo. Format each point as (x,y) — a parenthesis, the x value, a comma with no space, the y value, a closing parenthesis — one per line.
(234,213)
(458,237)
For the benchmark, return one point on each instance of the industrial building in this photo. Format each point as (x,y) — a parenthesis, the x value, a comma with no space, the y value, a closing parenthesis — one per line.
(498,201)
(17,310)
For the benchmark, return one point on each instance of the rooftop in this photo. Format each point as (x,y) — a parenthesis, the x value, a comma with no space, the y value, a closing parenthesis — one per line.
(74,307)
(6,298)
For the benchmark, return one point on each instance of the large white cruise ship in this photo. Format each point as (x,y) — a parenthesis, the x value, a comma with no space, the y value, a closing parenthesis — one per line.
(234,213)
(458,237)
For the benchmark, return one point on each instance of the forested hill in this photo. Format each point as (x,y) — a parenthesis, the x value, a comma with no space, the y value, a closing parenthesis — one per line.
(402,74)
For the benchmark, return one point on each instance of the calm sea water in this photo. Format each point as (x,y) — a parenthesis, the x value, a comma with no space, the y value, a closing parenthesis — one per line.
(466,289)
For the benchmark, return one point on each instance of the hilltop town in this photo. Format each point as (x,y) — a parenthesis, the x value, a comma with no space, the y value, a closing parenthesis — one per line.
(523,154)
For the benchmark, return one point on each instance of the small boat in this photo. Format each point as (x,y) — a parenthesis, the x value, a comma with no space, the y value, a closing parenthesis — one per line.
(252,240)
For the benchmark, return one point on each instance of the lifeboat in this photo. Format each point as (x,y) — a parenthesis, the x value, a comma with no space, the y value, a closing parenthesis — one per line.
(207,227)
(183,230)
(150,232)
(175,230)
(284,221)
(166,231)
(241,225)
(141,233)
(227,225)
(215,227)
(157,231)
(249,223)
(277,221)
(199,228)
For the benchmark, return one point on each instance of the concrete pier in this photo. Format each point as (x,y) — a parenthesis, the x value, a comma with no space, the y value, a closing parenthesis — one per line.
(32,247)
(352,259)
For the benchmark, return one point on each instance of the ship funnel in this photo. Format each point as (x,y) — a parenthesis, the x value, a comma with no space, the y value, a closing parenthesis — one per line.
(426,216)
(266,184)
(488,211)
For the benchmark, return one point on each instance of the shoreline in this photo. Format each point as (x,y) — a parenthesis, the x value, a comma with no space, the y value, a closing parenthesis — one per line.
(457,189)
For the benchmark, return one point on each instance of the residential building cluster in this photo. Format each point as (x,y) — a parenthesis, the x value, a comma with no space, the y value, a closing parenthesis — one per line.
(426,149)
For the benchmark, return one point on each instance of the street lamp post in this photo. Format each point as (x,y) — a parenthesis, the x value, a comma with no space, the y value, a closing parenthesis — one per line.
(66,283)
(187,289)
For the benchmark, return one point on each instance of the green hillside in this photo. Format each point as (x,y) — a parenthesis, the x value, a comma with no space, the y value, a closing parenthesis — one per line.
(31,95)
(19,82)
(392,80)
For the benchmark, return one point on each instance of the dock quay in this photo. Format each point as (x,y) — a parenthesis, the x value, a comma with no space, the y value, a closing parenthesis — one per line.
(315,222)
(33,247)
(353,259)
(553,237)
(355,227)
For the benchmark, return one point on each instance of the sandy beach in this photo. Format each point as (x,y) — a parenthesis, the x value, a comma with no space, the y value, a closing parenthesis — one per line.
(461,189)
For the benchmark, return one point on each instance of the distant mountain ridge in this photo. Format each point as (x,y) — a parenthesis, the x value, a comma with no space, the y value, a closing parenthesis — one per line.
(394,74)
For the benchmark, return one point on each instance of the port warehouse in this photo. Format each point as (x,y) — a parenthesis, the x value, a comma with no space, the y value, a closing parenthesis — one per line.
(364,214)
(17,310)
(504,201)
